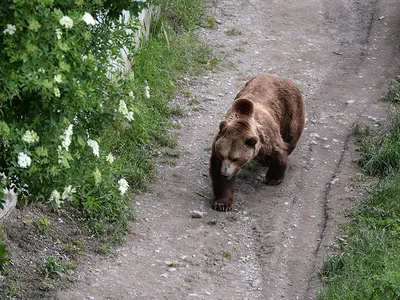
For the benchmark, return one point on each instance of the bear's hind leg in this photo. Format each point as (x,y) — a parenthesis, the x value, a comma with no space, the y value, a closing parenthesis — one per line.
(276,169)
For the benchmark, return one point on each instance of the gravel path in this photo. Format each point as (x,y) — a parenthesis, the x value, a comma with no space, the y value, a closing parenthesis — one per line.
(342,54)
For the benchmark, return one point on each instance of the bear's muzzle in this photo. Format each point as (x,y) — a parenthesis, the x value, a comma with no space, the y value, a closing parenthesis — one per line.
(228,169)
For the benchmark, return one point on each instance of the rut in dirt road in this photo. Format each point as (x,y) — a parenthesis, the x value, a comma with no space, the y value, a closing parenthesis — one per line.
(342,54)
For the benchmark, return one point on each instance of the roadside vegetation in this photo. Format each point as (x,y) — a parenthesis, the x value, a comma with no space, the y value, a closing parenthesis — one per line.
(368,265)
(77,135)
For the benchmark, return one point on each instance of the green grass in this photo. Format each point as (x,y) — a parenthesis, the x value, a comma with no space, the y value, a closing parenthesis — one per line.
(380,154)
(54,269)
(233,32)
(368,265)
(4,259)
(171,53)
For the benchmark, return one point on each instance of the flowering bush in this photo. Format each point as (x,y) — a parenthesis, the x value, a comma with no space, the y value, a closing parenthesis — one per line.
(62,101)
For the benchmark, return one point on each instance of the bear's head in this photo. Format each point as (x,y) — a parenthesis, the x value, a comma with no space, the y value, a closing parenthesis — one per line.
(237,141)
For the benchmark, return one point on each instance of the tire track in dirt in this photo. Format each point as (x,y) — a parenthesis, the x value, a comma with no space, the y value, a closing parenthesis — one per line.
(270,246)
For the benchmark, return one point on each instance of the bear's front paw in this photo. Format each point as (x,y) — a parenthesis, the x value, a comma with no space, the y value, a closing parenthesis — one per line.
(224,204)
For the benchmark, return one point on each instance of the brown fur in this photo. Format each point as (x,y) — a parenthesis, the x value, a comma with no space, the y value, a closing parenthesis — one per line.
(265,121)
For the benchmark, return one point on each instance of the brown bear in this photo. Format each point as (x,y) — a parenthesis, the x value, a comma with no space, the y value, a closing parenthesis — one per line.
(265,121)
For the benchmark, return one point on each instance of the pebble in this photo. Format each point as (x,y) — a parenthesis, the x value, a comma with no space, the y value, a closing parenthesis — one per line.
(165,275)
(314,135)
(90,298)
(349,101)
(256,283)
(172,270)
(218,21)
(197,214)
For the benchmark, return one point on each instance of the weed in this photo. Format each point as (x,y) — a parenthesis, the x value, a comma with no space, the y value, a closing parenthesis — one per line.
(46,287)
(74,247)
(174,154)
(194,101)
(43,224)
(227,254)
(177,111)
(54,269)
(187,93)
(174,265)
(239,49)
(13,290)
(170,141)
(211,22)
(4,259)
(233,32)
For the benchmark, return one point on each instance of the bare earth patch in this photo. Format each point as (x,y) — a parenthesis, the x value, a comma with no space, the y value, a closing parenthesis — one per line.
(342,55)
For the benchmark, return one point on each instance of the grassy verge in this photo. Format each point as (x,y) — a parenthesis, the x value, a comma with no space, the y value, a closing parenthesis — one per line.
(369,265)
(172,52)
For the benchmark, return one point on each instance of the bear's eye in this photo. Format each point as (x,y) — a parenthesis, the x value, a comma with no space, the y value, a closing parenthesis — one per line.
(235,159)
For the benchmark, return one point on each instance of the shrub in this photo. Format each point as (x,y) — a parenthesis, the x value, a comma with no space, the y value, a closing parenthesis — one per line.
(62,99)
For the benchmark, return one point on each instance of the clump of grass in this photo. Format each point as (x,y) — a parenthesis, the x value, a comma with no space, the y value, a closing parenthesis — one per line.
(393,94)
(211,22)
(54,269)
(233,32)
(380,156)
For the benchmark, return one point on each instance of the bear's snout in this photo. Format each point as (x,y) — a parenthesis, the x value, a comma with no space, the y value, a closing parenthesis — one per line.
(228,169)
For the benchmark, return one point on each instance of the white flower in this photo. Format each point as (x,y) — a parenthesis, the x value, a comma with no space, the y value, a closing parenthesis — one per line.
(147,92)
(55,199)
(58,78)
(58,34)
(57,92)
(110,158)
(30,137)
(66,22)
(10,29)
(123,186)
(41,70)
(24,160)
(95,147)
(68,191)
(84,57)
(66,137)
(88,19)
(124,110)
(122,107)
(97,176)
(129,116)
(131,95)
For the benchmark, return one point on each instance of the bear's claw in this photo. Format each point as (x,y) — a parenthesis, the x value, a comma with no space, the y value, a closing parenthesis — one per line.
(271,181)
(223,205)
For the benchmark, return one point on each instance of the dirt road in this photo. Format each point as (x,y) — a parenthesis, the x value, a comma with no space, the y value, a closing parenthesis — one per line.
(342,54)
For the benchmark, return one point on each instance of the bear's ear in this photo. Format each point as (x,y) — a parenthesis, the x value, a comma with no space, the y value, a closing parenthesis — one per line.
(251,141)
(223,125)
(244,107)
